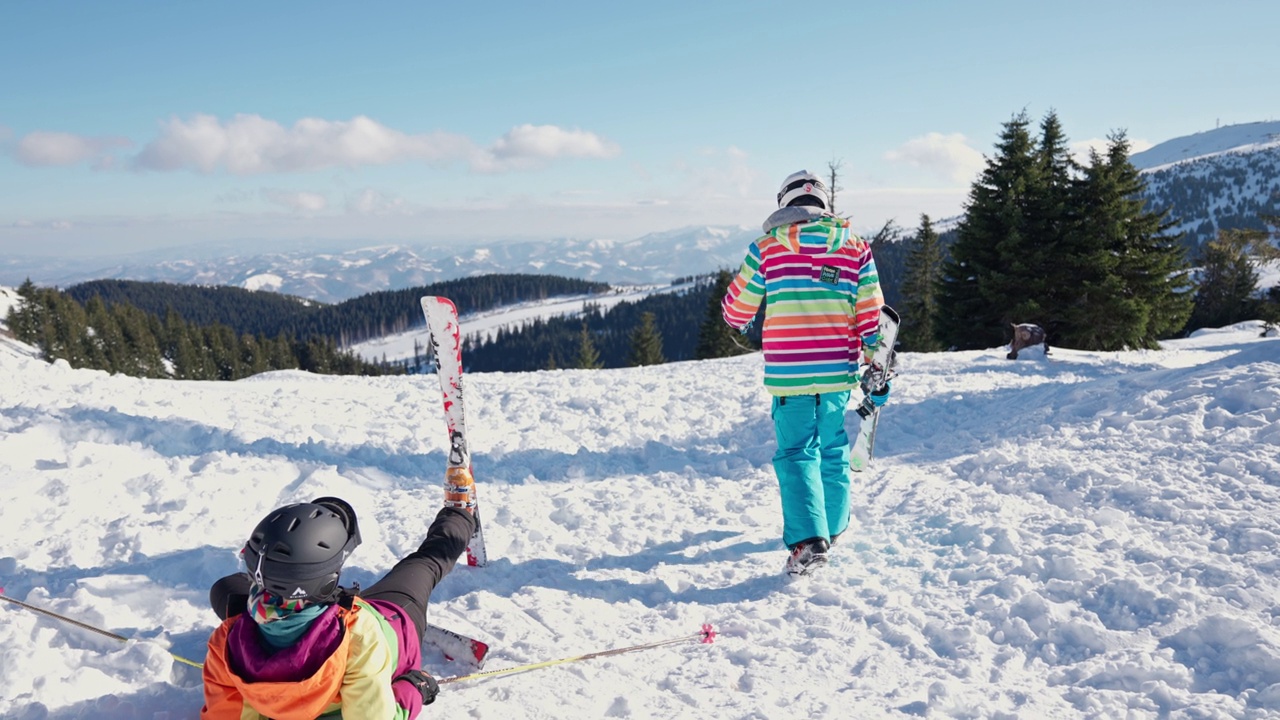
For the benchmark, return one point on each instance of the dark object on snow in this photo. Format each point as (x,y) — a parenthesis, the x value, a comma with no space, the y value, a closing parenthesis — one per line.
(424,683)
(1024,336)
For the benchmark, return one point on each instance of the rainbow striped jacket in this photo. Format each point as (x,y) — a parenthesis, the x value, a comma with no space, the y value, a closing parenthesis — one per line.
(822,301)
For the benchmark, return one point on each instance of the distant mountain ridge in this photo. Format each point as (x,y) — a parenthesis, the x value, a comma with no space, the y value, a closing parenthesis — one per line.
(335,276)
(1244,138)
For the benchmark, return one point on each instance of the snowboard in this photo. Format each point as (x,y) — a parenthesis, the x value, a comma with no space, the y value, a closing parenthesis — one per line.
(874,377)
(446,345)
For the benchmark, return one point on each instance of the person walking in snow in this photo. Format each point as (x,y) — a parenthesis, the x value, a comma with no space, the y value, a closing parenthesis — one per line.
(294,645)
(822,311)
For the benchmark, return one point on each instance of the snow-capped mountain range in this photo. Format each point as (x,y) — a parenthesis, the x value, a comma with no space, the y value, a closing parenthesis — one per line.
(1222,178)
(335,276)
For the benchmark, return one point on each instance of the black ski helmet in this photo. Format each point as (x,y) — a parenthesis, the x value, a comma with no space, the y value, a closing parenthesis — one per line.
(297,551)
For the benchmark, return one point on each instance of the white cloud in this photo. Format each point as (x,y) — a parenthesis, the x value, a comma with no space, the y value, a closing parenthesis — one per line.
(25,224)
(295,200)
(529,146)
(253,145)
(372,202)
(720,172)
(948,156)
(234,195)
(43,148)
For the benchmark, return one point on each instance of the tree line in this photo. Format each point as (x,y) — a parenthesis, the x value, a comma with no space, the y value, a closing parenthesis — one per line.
(165,330)
(368,316)
(123,338)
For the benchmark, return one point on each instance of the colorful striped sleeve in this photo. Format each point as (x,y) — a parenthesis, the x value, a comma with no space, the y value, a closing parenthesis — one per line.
(866,320)
(746,292)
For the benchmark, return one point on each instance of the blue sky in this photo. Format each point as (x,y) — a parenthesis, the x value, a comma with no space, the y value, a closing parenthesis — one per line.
(128,126)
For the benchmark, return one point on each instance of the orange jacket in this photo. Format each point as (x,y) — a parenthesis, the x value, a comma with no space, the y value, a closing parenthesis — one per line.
(359,670)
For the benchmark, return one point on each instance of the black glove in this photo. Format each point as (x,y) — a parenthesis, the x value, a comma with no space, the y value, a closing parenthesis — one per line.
(426,685)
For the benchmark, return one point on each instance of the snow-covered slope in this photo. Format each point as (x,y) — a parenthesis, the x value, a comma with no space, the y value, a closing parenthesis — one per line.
(1216,180)
(1088,535)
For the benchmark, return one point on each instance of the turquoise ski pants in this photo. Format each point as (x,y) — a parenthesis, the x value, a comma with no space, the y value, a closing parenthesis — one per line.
(812,465)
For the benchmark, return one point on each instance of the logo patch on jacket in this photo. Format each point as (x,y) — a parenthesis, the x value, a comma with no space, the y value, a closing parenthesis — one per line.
(830,275)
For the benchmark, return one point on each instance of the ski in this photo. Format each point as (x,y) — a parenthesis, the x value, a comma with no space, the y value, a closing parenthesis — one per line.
(876,375)
(446,345)
(457,647)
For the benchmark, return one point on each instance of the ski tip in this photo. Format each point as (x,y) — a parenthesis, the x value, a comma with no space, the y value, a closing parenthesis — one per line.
(479,651)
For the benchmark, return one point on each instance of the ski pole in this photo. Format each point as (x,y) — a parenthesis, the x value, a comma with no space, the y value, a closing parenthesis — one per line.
(86,626)
(706,636)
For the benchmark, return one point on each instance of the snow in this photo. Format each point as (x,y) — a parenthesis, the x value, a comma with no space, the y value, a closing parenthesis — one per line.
(8,299)
(1268,275)
(1082,535)
(263,281)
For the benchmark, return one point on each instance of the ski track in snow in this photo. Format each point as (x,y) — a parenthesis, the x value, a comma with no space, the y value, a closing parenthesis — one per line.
(1079,535)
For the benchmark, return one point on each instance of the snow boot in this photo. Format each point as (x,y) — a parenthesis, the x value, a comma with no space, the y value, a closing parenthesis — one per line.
(806,556)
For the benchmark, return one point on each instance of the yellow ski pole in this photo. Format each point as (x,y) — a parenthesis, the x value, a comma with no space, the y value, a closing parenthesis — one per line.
(706,636)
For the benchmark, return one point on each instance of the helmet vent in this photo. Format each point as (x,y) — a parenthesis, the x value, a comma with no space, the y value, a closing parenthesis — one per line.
(293,525)
(325,545)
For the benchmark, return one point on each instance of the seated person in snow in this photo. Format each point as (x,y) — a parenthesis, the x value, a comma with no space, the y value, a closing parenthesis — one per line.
(1024,336)
(295,645)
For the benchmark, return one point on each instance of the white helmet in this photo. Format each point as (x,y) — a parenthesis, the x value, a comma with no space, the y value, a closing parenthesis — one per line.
(799,187)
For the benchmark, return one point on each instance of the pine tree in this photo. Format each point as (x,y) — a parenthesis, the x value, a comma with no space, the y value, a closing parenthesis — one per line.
(919,288)
(1046,282)
(646,342)
(980,293)
(24,318)
(1153,265)
(253,355)
(68,329)
(1269,308)
(1131,277)
(1228,281)
(281,354)
(715,337)
(588,357)
(143,347)
(105,345)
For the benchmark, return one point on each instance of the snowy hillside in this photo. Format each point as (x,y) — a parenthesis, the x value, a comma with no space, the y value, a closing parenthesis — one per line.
(335,276)
(1216,180)
(483,326)
(1089,535)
